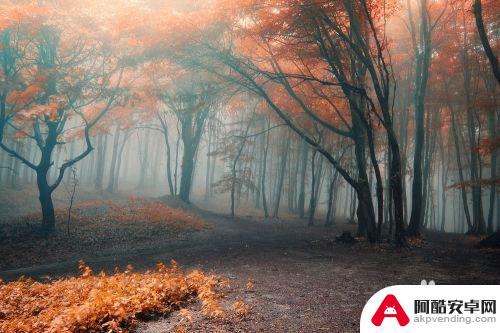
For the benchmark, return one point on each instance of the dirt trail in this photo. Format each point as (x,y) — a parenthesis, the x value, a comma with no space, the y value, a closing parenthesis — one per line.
(304,281)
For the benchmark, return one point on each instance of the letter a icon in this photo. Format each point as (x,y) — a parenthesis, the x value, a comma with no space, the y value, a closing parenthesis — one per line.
(390,307)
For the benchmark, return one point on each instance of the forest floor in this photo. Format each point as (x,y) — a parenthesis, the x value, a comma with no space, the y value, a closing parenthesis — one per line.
(295,278)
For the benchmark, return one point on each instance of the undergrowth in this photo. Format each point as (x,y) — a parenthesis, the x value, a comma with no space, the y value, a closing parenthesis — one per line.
(105,303)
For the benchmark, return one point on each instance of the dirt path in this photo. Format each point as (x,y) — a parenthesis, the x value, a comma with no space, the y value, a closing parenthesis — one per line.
(304,281)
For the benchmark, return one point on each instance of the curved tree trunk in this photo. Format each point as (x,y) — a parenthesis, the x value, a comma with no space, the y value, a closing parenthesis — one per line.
(478,14)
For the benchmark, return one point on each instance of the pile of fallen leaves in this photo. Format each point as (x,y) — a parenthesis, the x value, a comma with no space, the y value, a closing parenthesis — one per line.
(155,212)
(105,227)
(135,210)
(102,303)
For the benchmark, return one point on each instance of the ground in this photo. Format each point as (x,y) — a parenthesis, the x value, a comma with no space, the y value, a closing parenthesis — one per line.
(294,278)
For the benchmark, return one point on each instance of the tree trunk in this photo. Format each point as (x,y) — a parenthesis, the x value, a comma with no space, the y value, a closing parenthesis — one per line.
(312,198)
(444,181)
(169,159)
(303,172)
(397,190)
(187,168)
(192,124)
(44,190)
(235,163)
(279,187)
(207,170)
(492,132)
(45,197)
(263,178)
(143,159)
(461,178)
(365,212)
(478,14)
(116,140)
(422,60)
(101,158)
(14,176)
(332,198)
(478,223)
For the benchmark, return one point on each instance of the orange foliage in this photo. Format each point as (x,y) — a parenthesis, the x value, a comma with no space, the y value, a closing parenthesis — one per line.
(113,303)
(240,308)
(135,211)
(154,212)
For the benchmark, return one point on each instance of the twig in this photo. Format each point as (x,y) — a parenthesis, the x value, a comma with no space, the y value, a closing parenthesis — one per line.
(9,168)
(71,193)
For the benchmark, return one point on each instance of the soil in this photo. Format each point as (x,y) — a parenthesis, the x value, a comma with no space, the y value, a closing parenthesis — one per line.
(304,280)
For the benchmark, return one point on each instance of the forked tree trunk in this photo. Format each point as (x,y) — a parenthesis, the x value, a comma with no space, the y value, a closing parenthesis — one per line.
(191,130)
(44,189)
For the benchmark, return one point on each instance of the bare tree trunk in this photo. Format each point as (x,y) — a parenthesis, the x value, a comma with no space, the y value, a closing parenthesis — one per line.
(177,145)
(460,168)
(478,223)
(144,160)
(27,170)
(192,124)
(444,181)
(422,55)
(116,140)
(167,146)
(235,163)
(312,198)
(332,198)
(119,163)
(259,161)
(493,133)
(279,187)
(101,160)
(303,172)
(207,170)
(14,175)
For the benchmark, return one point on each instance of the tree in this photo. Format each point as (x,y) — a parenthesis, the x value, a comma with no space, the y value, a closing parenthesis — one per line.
(190,100)
(284,65)
(422,47)
(53,81)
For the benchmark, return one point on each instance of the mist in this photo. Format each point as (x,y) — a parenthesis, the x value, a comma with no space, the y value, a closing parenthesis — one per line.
(253,166)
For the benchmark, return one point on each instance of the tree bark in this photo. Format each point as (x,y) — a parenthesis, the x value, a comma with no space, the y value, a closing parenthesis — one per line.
(422,60)
(478,14)
(192,124)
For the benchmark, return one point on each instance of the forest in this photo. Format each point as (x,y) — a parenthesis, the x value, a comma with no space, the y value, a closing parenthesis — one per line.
(242,165)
